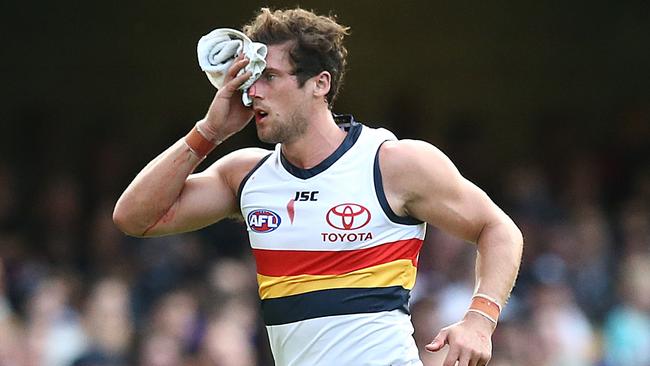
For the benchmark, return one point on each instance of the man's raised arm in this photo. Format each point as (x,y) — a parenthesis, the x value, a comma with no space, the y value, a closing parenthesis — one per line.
(165,199)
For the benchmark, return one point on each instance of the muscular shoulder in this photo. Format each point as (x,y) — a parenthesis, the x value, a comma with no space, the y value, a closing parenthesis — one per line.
(407,160)
(412,169)
(233,167)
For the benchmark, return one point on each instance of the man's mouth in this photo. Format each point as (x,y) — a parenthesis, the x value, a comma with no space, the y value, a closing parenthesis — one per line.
(260,115)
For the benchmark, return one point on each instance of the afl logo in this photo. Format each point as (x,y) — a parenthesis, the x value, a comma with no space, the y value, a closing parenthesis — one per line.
(263,221)
(348,216)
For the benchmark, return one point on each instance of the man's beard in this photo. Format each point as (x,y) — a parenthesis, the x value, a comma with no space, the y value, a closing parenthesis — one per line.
(285,131)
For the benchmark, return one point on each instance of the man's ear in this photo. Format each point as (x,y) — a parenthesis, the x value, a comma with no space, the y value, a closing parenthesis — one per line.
(322,84)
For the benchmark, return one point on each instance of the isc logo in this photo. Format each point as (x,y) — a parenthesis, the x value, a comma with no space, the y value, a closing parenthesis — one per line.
(263,221)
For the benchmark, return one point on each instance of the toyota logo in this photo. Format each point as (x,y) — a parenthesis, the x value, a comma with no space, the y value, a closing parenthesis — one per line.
(348,216)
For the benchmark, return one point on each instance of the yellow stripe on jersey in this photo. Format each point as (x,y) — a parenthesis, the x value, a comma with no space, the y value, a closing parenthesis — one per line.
(397,273)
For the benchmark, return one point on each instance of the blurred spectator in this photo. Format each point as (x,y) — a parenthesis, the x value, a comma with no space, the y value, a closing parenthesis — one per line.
(163,265)
(107,324)
(106,246)
(60,211)
(627,328)
(591,263)
(11,331)
(230,333)
(634,222)
(55,336)
(176,317)
(160,350)
(232,277)
(443,262)
(563,334)
(528,194)
(234,331)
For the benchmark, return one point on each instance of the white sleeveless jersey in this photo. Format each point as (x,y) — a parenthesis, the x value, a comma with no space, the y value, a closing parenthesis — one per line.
(335,264)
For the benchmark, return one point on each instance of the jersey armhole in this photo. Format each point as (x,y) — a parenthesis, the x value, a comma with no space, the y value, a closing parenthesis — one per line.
(247,176)
(381,196)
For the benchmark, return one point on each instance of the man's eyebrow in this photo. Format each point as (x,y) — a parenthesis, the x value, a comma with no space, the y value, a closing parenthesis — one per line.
(273,69)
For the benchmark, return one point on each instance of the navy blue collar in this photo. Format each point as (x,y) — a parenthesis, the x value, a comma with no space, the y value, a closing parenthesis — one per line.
(347,123)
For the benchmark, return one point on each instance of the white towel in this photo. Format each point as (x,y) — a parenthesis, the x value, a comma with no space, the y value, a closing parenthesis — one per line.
(217,51)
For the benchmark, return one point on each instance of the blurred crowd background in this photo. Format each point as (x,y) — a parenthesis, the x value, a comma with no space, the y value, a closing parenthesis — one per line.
(545,106)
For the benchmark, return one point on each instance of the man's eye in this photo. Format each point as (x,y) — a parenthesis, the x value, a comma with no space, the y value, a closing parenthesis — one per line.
(270,77)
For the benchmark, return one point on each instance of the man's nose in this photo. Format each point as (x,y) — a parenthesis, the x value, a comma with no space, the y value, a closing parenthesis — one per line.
(252,91)
(256,90)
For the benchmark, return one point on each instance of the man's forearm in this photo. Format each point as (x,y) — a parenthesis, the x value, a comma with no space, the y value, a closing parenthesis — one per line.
(155,189)
(500,247)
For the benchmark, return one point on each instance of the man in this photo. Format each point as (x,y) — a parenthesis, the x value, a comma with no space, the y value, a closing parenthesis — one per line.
(335,214)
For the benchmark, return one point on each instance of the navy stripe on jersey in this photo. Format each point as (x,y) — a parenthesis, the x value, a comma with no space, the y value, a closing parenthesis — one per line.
(340,301)
(348,142)
(243,181)
(383,201)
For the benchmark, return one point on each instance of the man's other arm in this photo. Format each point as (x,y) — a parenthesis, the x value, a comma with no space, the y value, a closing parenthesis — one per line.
(420,181)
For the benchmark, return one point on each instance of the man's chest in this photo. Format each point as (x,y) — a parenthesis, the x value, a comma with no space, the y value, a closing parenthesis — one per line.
(312,217)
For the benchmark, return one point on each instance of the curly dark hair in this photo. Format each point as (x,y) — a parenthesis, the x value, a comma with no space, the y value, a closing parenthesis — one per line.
(317,42)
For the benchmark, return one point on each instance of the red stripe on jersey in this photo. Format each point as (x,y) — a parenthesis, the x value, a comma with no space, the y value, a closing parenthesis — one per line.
(298,262)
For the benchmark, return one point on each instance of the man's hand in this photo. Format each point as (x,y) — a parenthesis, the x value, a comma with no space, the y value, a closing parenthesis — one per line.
(227,114)
(469,341)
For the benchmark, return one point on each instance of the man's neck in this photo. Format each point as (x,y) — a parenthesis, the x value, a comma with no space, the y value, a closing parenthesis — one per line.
(319,141)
